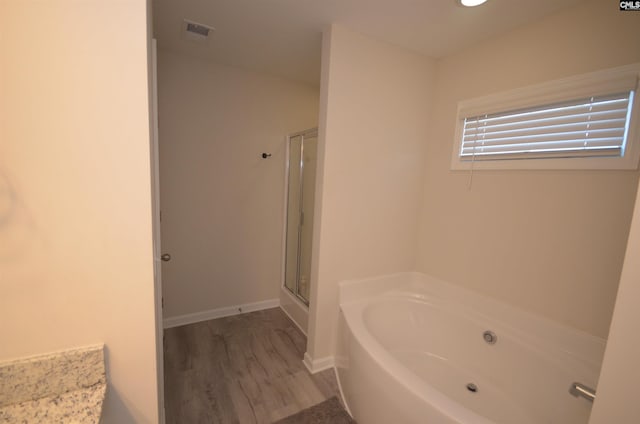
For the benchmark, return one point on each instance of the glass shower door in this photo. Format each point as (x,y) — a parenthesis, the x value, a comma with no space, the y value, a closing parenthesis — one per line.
(300,204)
(293,214)
(306,219)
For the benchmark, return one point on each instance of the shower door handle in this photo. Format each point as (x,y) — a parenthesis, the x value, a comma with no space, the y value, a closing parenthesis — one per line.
(579,389)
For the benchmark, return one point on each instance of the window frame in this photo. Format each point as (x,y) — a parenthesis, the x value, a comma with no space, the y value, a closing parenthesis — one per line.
(608,81)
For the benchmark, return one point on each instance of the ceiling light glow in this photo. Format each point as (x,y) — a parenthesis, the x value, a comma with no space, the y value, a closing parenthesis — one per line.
(471,3)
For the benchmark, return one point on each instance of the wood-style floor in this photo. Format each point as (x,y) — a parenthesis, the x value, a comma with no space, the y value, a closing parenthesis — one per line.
(241,369)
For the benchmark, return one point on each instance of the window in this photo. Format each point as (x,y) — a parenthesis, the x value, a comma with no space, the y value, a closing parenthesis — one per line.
(584,122)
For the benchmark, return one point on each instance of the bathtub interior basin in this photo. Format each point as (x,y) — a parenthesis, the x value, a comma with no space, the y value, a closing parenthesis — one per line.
(413,348)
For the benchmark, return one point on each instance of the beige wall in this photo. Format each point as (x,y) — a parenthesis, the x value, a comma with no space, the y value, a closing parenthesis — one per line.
(222,204)
(75,210)
(551,242)
(374,106)
(617,399)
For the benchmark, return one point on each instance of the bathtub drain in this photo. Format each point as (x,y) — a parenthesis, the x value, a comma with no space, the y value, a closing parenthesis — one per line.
(472,387)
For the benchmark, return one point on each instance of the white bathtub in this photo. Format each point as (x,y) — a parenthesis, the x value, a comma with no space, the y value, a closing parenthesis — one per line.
(410,344)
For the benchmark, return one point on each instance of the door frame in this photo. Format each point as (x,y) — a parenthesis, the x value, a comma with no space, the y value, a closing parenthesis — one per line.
(156,218)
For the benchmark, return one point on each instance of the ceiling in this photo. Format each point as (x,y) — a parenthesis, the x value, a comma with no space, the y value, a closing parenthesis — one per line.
(283,37)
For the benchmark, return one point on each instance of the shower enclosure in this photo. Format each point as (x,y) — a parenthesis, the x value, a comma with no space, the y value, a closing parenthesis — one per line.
(301,181)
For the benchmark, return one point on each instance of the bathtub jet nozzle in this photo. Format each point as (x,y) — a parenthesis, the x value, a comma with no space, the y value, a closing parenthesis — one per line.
(490,337)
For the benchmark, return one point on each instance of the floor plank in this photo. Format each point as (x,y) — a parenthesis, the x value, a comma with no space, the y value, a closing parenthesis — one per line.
(241,369)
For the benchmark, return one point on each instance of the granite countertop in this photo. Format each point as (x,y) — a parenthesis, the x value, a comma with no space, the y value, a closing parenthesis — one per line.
(78,406)
(63,387)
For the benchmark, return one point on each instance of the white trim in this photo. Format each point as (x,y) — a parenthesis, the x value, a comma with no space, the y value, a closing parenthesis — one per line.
(293,320)
(606,81)
(601,82)
(316,365)
(302,308)
(226,311)
(155,220)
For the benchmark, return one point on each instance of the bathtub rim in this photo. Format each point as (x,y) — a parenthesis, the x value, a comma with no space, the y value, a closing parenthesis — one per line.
(582,346)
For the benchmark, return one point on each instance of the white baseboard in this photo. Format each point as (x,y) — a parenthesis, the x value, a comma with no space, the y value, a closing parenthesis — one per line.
(219,313)
(317,365)
(295,309)
(293,320)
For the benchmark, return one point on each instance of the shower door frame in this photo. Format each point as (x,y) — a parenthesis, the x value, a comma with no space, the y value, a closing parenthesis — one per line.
(310,133)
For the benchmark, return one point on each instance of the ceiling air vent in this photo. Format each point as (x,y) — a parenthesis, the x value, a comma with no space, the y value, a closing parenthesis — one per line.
(195,31)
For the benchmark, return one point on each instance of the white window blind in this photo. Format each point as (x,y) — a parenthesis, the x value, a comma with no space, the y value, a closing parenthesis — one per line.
(587,121)
(596,126)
